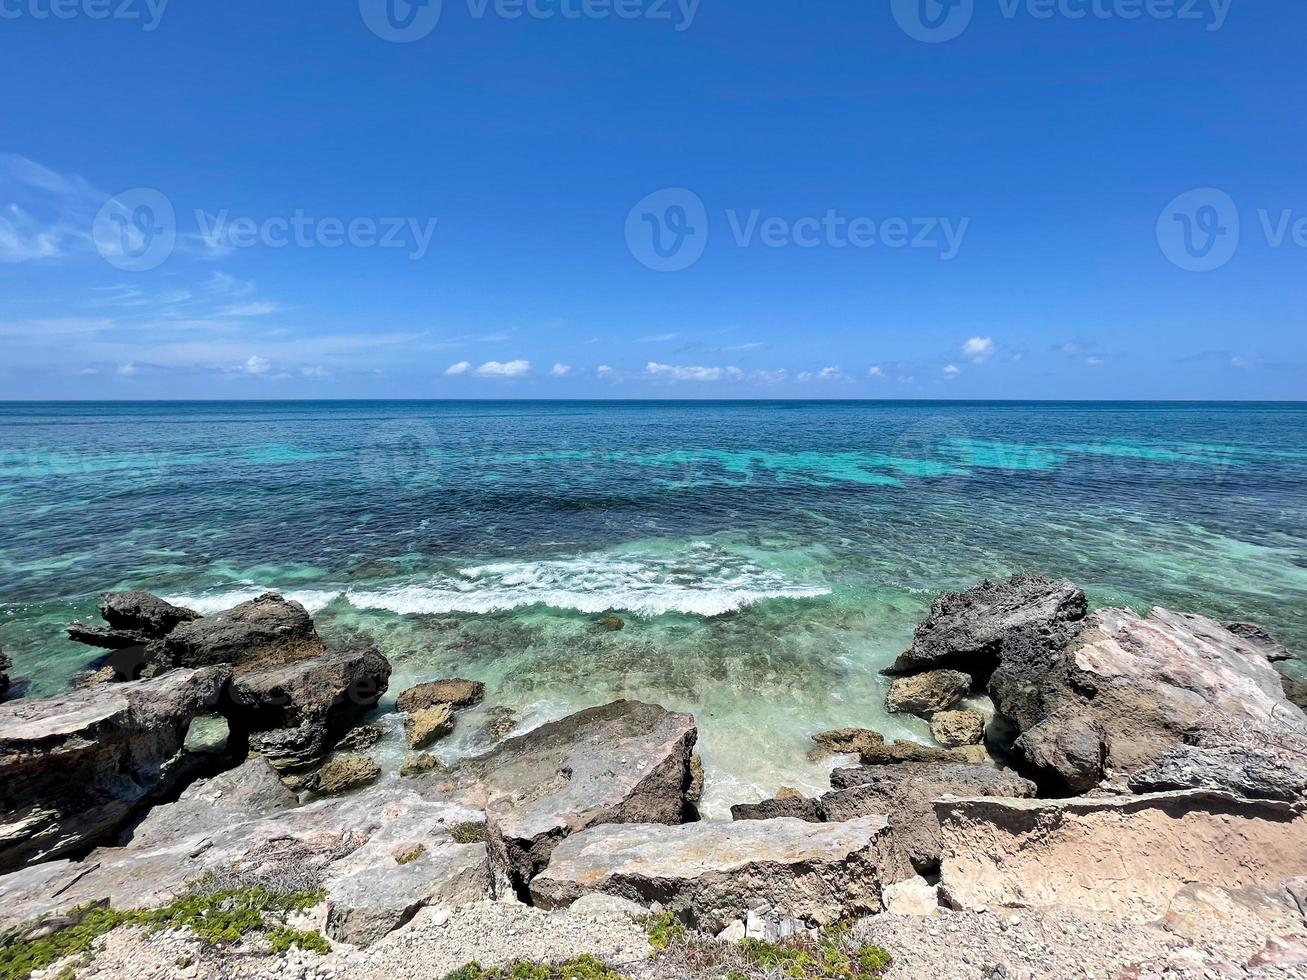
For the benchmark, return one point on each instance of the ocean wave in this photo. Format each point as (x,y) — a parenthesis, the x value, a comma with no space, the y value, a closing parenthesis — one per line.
(703,581)
(208,603)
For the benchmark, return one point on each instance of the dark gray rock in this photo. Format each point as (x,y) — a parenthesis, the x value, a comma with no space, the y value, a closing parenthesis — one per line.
(6,665)
(75,767)
(105,639)
(1261,640)
(363,737)
(263,632)
(1243,770)
(965,629)
(143,613)
(798,807)
(290,750)
(625,762)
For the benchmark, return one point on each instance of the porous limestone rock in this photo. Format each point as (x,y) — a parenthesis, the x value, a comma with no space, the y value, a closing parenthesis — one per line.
(456,693)
(712,873)
(76,766)
(625,762)
(344,773)
(426,725)
(925,694)
(952,729)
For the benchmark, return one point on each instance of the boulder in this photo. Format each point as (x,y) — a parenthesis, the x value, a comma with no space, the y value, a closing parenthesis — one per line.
(625,762)
(954,728)
(344,773)
(143,613)
(902,751)
(796,807)
(427,725)
(712,873)
(966,629)
(1128,691)
(845,741)
(906,795)
(380,854)
(1124,856)
(924,694)
(417,763)
(75,767)
(913,896)
(263,632)
(456,693)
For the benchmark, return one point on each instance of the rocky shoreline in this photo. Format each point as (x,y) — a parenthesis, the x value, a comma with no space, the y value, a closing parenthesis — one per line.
(1128,780)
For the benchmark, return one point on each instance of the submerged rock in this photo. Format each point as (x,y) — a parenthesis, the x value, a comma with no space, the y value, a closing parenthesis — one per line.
(427,725)
(363,737)
(263,632)
(952,729)
(1125,856)
(6,665)
(75,767)
(966,629)
(456,693)
(625,762)
(417,763)
(925,694)
(712,873)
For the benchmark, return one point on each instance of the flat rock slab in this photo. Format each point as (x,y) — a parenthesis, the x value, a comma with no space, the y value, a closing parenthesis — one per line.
(1127,856)
(712,873)
(380,854)
(625,762)
(455,692)
(75,767)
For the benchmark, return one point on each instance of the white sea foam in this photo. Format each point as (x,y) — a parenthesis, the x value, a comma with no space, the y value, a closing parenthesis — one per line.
(702,581)
(208,603)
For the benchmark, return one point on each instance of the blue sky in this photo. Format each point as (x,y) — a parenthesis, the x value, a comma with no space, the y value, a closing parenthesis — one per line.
(722,198)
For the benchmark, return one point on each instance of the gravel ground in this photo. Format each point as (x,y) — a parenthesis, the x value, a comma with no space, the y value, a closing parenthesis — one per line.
(1015,945)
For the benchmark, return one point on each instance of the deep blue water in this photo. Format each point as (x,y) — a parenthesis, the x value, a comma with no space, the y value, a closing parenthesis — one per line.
(768,557)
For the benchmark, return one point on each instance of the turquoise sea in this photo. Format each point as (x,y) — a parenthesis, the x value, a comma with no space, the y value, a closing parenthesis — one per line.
(767,558)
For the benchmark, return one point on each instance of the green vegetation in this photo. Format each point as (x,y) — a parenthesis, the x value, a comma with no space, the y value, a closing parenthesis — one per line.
(468,833)
(830,956)
(217,917)
(583,968)
(411,855)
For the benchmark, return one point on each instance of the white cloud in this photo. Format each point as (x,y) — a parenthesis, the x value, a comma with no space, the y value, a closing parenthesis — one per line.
(127,369)
(503,369)
(951,370)
(604,371)
(1093,361)
(43,214)
(256,365)
(263,308)
(875,372)
(687,372)
(658,338)
(314,371)
(825,374)
(1240,362)
(979,348)
(772,377)
(560,370)
(462,367)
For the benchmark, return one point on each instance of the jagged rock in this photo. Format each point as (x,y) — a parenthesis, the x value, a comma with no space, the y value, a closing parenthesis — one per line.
(75,767)
(712,873)
(906,794)
(796,807)
(344,773)
(456,693)
(144,613)
(1124,856)
(1260,640)
(924,694)
(966,629)
(625,762)
(695,793)
(427,725)
(363,737)
(844,741)
(1241,769)
(105,639)
(952,729)
(244,827)
(417,763)
(1128,690)
(913,896)
(263,632)
(290,750)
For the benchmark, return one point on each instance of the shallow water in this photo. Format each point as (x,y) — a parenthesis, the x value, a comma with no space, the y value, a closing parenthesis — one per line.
(767,558)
